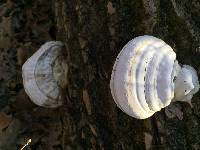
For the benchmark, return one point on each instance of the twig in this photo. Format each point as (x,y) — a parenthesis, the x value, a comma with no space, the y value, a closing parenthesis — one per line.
(27,143)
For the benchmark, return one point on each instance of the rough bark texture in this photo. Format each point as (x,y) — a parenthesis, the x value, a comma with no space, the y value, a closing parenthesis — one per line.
(93,31)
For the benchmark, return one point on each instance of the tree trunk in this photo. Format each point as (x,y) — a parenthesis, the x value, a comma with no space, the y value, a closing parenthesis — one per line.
(94,32)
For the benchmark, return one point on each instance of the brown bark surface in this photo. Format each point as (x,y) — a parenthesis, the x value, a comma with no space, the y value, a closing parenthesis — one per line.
(93,31)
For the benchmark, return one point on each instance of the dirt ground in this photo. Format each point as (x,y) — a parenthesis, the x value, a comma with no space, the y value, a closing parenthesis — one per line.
(93,31)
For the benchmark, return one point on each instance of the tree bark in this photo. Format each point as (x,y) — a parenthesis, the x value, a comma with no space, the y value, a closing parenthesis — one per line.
(94,32)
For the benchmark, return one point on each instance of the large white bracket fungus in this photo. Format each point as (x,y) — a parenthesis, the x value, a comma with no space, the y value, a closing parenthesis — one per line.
(146,77)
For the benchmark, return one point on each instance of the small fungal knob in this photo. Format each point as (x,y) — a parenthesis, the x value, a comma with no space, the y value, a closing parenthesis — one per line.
(186,84)
(45,75)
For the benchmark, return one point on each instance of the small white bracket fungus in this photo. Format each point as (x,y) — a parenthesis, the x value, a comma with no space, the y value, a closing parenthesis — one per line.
(45,75)
(146,77)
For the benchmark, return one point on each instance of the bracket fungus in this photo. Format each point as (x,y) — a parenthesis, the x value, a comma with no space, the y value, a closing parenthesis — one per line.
(146,77)
(45,75)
